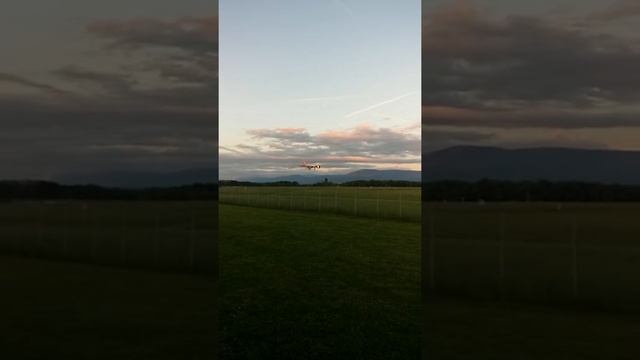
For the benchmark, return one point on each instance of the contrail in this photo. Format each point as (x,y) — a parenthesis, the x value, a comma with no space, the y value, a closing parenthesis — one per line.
(379,105)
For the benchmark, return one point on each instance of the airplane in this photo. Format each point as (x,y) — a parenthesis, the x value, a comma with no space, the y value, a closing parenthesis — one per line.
(310,166)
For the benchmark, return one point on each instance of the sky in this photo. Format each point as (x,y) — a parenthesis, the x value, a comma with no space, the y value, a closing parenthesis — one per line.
(97,86)
(515,73)
(334,82)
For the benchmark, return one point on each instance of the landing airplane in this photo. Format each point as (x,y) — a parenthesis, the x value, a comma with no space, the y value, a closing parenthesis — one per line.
(310,166)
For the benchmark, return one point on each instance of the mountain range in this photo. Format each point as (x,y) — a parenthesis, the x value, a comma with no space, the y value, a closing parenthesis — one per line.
(471,163)
(466,163)
(366,174)
(142,179)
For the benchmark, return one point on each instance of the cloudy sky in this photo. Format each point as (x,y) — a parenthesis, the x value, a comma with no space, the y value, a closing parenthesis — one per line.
(95,86)
(335,82)
(517,73)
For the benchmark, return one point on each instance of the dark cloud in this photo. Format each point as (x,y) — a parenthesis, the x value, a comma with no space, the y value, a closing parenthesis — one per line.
(155,109)
(617,10)
(50,140)
(190,45)
(19,80)
(473,61)
(178,69)
(187,75)
(116,83)
(436,138)
(193,35)
(553,118)
(526,71)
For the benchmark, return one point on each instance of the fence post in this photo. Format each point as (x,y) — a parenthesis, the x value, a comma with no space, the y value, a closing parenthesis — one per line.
(156,242)
(432,252)
(94,245)
(123,240)
(501,239)
(65,234)
(377,204)
(16,241)
(22,243)
(355,202)
(39,236)
(574,257)
(192,243)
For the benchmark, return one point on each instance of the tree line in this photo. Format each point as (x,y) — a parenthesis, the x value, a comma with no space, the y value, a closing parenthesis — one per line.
(483,190)
(358,183)
(41,190)
(496,190)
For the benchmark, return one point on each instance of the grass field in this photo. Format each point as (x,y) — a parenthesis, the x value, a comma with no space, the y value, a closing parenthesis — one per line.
(323,283)
(536,251)
(166,235)
(302,285)
(374,202)
(462,329)
(57,310)
(296,285)
(292,286)
(72,311)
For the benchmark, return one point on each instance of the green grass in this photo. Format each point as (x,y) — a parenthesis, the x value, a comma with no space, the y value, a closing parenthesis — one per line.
(55,310)
(307,285)
(58,310)
(544,250)
(461,329)
(294,285)
(167,235)
(374,202)
(318,286)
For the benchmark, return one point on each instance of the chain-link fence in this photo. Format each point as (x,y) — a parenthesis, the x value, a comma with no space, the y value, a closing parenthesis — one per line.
(534,252)
(163,235)
(374,202)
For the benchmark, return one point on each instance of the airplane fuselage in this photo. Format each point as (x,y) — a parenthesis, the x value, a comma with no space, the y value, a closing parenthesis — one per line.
(311,167)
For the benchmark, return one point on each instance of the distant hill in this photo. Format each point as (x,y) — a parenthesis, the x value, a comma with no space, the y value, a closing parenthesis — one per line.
(472,163)
(35,189)
(463,163)
(368,174)
(135,180)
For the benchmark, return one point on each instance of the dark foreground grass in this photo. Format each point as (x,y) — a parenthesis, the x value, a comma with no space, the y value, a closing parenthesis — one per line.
(70,311)
(318,286)
(457,329)
(293,286)
(545,252)
(175,235)
(56,310)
